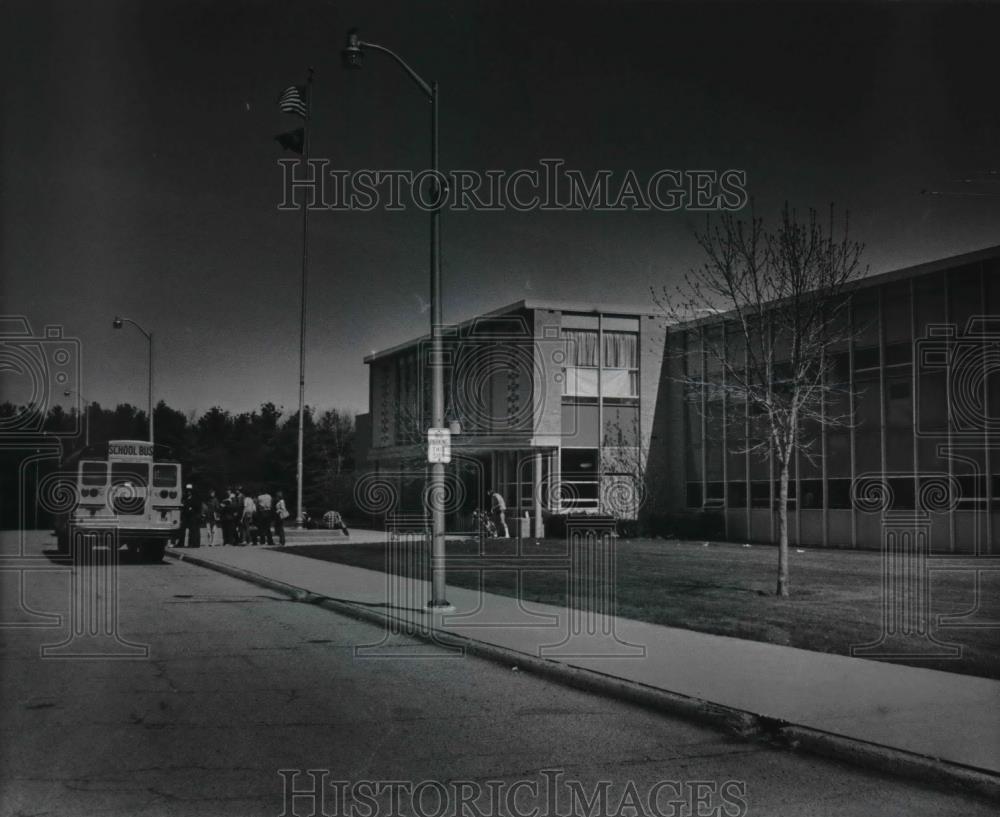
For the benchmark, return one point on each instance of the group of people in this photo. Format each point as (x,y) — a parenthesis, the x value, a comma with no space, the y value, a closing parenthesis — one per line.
(240,518)
(243,519)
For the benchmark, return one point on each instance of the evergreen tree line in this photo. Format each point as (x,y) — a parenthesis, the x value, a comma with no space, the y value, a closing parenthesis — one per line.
(219,449)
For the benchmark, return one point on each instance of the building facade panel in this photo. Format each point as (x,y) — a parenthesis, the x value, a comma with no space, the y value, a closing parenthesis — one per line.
(558,402)
(545,398)
(922,395)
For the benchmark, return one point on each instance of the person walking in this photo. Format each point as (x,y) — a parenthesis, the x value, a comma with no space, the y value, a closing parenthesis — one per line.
(280,515)
(191,519)
(499,508)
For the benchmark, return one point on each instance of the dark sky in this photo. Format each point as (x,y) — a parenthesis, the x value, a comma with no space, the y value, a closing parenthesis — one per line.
(138,171)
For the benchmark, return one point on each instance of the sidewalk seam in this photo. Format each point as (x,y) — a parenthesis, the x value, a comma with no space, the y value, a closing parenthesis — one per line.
(741,723)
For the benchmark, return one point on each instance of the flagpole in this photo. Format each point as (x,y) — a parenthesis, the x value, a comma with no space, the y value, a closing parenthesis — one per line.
(300,514)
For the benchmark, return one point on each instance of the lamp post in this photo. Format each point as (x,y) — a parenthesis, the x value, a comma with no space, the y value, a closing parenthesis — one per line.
(117,323)
(353,55)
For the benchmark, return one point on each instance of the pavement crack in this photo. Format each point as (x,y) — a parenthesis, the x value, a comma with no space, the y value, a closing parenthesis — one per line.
(160,672)
(198,798)
(748,750)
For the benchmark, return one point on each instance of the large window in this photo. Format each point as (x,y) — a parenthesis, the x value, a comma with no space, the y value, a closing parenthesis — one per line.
(838,493)
(865,313)
(715,495)
(868,401)
(896,314)
(621,364)
(164,476)
(972,491)
(579,478)
(965,298)
(899,401)
(621,425)
(760,494)
(583,363)
(609,366)
(812,494)
(136,473)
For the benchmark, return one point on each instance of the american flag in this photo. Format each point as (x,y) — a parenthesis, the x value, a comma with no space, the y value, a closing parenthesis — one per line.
(292,100)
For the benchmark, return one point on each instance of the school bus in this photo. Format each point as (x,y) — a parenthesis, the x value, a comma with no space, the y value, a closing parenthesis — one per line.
(124,494)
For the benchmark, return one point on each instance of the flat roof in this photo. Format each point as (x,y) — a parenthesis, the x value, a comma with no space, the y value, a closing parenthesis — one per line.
(634,310)
(577,307)
(886,277)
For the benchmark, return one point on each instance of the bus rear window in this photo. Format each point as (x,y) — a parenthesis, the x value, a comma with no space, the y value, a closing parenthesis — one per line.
(94,473)
(164,476)
(134,472)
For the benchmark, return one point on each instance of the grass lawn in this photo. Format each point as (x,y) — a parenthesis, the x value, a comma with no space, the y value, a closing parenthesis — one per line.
(728,589)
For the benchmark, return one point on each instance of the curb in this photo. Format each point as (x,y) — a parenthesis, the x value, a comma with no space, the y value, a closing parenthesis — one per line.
(738,722)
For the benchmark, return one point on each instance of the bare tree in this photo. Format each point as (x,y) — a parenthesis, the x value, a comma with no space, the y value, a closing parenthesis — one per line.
(336,439)
(781,298)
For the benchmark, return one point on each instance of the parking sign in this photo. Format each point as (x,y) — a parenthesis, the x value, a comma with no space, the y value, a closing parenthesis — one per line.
(438,445)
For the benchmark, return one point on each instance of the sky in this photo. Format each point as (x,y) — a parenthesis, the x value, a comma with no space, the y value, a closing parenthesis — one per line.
(139,173)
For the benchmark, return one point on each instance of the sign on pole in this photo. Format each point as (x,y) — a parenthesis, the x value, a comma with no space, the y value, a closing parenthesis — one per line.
(438,445)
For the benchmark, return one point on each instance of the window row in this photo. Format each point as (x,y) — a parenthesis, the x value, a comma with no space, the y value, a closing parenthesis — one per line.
(969,493)
(899,312)
(128,473)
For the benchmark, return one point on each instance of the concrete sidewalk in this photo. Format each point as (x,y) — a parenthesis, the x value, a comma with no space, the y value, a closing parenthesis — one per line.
(942,717)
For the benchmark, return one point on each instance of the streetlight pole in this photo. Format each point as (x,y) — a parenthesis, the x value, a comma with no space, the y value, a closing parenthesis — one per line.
(353,56)
(117,323)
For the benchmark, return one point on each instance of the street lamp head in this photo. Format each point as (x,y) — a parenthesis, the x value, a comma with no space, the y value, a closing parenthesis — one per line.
(117,323)
(352,54)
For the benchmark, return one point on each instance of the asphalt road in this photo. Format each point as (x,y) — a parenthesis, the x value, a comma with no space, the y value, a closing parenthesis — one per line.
(241,683)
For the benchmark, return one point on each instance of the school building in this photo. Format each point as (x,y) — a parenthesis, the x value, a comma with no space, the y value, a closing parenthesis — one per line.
(581,408)
(547,403)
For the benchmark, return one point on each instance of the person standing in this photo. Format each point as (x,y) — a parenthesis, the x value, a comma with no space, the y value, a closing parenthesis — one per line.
(211,511)
(249,510)
(238,516)
(191,518)
(499,508)
(228,512)
(264,517)
(280,515)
